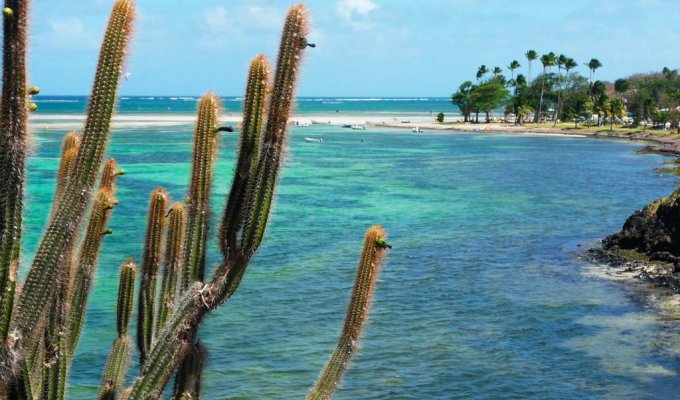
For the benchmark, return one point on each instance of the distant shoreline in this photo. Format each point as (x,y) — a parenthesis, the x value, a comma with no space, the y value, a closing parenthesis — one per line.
(666,144)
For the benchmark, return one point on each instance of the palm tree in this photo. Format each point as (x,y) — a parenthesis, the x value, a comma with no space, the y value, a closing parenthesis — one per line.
(621,86)
(497,71)
(481,71)
(593,64)
(561,61)
(512,67)
(548,60)
(531,55)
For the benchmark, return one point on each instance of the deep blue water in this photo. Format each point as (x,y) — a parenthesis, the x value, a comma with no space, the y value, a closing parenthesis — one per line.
(483,295)
(306,105)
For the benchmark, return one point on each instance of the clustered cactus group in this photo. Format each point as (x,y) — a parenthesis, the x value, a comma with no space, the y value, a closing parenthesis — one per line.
(41,319)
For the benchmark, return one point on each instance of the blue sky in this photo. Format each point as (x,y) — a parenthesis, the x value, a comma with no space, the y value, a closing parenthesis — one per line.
(364,47)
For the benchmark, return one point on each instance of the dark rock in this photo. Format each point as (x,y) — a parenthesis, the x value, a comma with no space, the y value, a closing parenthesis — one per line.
(653,231)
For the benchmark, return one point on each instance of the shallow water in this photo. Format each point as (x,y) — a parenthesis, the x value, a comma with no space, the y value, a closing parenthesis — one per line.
(483,295)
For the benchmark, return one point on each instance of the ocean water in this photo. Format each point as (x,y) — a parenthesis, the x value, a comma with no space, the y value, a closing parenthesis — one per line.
(415,106)
(482,296)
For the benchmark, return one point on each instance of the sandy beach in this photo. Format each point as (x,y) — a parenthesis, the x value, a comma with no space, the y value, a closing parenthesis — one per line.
(665,144)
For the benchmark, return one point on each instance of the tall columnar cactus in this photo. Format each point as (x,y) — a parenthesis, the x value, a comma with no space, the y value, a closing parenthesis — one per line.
(172,270)
(70,207)
(198,200)
(357,314)
(116,364)
(41,331)
(13,143)
(153,246)
(249,151)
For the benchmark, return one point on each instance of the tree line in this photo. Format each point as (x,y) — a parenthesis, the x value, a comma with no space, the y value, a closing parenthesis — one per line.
(559,93)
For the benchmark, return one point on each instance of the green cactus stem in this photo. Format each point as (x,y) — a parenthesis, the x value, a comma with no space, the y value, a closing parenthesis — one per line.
(261,189)
(69,153)
(70,209)
(126,293)
(151,259)
(188,380)
(117,362)
(13,141)
(172,268)
(198,202)
(110,174)
(8,303)
(357,314)
(249,150)
(87,263)
(116,365)
(171,344)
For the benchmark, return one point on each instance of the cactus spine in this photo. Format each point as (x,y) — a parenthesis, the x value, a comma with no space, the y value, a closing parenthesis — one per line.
(153,245)
(357,314)
(116,364)
(70,207)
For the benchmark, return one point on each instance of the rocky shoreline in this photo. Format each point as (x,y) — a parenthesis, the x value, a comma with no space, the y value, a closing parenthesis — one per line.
(648,246)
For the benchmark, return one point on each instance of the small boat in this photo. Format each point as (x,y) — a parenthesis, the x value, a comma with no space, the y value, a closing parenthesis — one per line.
(358,127)
(346,125)
(315,122)
(416,129)
(313,140)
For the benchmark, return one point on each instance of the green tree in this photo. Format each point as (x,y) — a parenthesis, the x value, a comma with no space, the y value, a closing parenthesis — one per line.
(593,65)
(530,55)
(497,71)
(440,117)
(621,86)
(462,99)
(548,60)
(582,109)
(512,67)
(481,71)
(489,96)
(616,111)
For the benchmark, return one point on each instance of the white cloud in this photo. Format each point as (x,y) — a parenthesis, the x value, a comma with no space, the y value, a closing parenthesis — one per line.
(223,26)
(349,9)
(69,33)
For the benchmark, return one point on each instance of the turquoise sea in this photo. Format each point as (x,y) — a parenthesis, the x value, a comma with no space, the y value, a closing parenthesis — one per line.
(483,295)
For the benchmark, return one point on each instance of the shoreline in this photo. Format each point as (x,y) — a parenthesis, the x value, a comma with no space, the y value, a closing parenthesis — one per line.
(668,144)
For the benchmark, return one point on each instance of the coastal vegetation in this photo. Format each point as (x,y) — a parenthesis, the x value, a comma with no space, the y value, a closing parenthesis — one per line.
(42,318)
(560,94)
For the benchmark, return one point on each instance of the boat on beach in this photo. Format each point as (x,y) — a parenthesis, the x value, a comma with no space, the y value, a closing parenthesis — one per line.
(313,140)
(358,127)
(416,129)
(315,122)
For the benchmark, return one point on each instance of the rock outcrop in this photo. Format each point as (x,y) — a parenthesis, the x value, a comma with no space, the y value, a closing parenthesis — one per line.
(653,231)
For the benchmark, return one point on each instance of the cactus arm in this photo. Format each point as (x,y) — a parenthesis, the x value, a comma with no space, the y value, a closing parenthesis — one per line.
(357,314)
(69,153)
(13,142)
(198,204)
(249,150)
(117,361)
(126,293)
(172,264)
(70,209)
(151,260)
(110,174)
(261,189)
(86,265)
